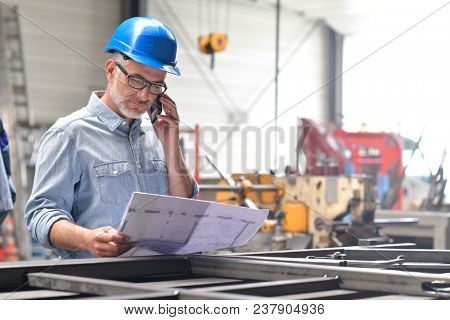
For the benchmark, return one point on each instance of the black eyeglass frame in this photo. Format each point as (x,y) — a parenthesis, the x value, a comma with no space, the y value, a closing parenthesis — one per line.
(146,82)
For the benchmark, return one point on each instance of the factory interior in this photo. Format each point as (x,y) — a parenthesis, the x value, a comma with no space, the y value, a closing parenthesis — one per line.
(309,162)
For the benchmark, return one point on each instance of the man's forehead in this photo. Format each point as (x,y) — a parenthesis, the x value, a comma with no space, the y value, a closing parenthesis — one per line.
(145,71)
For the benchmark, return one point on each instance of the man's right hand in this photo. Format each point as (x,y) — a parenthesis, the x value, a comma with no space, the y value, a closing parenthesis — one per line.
(107,242)
(100,242)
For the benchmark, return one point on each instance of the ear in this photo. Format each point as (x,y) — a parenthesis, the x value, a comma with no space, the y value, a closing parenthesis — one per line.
(110,69)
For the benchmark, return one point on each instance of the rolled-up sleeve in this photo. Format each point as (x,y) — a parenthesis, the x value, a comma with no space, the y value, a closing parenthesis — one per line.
(57,172)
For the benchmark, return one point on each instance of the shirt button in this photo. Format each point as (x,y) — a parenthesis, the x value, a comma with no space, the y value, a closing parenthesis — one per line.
(124,123)
(115,172)
(139,166)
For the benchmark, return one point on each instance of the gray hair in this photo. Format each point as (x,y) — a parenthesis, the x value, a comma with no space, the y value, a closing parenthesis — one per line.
(118,57)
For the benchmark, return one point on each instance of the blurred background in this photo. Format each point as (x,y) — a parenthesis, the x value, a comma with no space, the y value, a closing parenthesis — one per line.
(284,88)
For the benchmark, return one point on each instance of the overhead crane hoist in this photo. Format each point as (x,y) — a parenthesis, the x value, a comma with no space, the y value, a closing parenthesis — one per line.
(212,43)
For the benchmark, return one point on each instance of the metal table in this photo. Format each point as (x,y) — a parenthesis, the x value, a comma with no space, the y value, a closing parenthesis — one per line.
(433,225)
(372,272)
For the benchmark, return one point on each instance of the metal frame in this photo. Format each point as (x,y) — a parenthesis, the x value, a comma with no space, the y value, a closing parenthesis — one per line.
(334,273)
(434,225)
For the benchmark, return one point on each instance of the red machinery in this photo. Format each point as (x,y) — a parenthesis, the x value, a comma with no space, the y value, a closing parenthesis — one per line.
(339,152)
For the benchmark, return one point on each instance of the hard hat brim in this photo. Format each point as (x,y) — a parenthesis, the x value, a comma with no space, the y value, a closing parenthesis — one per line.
(147,61)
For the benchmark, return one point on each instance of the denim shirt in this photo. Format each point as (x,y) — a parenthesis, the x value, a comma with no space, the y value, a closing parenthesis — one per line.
(88,165)
(6,203)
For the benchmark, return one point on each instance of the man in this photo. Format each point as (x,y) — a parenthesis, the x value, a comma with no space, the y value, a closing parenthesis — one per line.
(90,162)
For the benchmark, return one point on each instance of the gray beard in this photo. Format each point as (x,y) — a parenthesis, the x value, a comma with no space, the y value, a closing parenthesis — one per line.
(120,103)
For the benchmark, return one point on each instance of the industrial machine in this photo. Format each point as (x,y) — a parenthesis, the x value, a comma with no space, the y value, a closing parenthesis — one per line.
(322,211)
(331,200)
(376,154)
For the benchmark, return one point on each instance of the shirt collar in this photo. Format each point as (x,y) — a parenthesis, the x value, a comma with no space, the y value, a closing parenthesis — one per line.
(111,119)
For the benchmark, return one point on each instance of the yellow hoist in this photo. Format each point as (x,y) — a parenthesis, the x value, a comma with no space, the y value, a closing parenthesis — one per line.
(212,43)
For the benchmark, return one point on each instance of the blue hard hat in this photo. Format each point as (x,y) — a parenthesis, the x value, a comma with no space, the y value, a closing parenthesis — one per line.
(148,41)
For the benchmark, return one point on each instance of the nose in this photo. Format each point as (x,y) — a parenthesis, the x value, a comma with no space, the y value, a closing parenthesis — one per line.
(143,94)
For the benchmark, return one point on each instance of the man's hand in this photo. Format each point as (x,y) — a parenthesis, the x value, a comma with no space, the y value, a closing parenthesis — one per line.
(167,126)
(100,242)
(107,242)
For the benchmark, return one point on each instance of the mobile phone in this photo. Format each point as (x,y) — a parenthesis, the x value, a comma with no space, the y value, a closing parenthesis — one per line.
(156,110)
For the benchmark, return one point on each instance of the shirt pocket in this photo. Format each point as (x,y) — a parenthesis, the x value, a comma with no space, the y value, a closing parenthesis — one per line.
(155,172)
(114,181)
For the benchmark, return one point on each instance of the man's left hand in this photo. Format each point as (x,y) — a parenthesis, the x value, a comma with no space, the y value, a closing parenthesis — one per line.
(167,127)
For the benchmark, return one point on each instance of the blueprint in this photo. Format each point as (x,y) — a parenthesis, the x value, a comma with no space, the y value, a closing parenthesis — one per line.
(161,225)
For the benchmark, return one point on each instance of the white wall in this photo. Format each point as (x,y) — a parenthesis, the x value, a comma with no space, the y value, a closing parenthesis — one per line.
(61,76)
(60,80)
(246,67)
(403,86)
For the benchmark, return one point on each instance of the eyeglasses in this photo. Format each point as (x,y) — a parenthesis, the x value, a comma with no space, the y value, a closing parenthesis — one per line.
(139,83)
